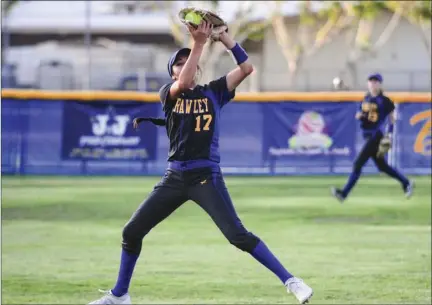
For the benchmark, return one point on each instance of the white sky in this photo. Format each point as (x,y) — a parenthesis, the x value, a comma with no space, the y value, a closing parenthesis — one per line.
(71,9)
(38,16)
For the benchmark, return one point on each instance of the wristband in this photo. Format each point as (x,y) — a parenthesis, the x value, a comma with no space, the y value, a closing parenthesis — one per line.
(239,54)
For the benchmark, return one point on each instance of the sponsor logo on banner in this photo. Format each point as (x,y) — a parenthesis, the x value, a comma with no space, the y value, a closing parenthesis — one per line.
(414,137)
(109,130)
(423,140)
(105,132)
(310,138)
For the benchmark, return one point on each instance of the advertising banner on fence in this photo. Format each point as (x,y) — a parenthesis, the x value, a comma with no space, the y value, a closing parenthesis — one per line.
(414,134)
(309,133)
(104,131)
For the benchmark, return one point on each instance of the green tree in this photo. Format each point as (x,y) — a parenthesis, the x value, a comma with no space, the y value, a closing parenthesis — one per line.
(314,30)
(6,7)
(361,44)
(419,13)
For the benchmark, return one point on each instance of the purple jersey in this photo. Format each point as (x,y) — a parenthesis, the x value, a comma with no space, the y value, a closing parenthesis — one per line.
(376,110)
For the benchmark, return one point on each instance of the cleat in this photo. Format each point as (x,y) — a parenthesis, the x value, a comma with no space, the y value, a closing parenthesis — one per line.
(302,292)
(109,299)
(337,193)
(408,190)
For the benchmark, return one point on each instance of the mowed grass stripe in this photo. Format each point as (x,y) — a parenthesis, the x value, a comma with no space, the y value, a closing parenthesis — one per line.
(61,242)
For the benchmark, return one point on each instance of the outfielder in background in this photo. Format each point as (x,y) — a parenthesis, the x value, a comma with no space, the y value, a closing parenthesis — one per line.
(375,110)
(192,118)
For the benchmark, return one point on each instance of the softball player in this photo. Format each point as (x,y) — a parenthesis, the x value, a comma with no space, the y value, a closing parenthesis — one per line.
(373,114)
(192,118)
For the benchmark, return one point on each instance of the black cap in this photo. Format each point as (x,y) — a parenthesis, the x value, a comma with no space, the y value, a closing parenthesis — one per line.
(376,77)
(175,56)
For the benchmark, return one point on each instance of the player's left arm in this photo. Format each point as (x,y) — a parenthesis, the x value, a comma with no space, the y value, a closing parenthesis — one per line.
(236,76)
(386,141)
(155,121)
(391,117)
(392,120)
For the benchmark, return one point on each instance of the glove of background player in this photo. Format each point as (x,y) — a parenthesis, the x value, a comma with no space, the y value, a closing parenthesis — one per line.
(384,146)
(155,121)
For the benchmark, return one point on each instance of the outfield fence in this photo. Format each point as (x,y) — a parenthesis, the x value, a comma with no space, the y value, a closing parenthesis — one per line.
(90,133)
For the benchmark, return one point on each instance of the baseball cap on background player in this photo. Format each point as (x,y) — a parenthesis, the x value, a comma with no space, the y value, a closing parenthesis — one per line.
(376,77)
(175,57)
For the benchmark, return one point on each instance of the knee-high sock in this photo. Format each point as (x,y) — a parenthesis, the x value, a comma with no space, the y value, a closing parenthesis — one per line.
(394,173)
(127,266)
(262,254)
(352,180)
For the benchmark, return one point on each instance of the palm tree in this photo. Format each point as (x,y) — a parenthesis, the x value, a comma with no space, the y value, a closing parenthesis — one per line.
(366,13)
(6,5)
(420,14)
(315,29)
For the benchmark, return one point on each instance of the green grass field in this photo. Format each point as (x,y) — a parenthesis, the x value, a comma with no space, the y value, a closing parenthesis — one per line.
(61,242)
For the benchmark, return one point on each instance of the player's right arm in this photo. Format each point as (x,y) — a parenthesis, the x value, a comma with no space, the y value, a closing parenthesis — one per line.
(360,115)
(187,75)
(188,72)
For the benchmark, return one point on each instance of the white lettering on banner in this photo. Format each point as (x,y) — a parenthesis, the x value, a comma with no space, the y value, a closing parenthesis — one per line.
(109,140)
(119,129)
(108,153)
(273,151)
(109,130)
(100,125)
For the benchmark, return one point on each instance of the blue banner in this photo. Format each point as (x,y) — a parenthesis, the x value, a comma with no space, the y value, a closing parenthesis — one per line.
(414,137)
(313,136)
(104,131)
(273,138)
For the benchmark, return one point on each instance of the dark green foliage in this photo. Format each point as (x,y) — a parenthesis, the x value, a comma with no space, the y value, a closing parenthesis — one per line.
(368,9)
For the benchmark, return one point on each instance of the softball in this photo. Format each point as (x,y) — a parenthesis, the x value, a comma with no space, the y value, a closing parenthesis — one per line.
(193,18)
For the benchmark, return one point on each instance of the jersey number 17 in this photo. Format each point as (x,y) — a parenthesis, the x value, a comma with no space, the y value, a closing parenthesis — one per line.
(205,120)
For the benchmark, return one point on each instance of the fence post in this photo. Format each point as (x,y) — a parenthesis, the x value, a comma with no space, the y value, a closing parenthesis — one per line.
(23,140)
(88,43)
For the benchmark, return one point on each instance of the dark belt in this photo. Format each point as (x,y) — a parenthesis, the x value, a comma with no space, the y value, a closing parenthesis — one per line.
(192,164)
